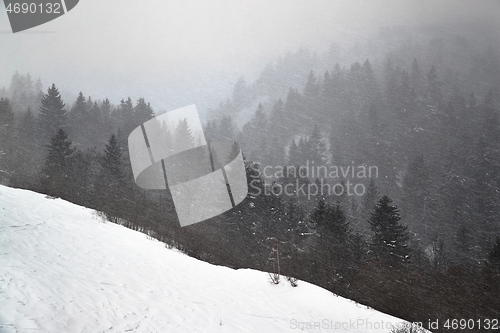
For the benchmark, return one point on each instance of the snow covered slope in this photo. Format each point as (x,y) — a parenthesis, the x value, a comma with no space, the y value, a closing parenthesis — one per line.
(62,270)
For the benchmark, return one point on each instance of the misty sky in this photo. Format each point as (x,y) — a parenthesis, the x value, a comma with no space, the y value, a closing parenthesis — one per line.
(176,53)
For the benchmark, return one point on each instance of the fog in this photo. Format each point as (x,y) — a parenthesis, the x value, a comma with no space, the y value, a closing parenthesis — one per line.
(177,53)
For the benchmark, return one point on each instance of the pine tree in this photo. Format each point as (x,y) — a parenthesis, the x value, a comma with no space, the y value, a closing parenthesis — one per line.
(293,153)
(319,216)
(28,125)
(434,94)
(337,224)
(6,138)
(184,139)
(274,153)
(317,148)
(27,154)
(233,153)
(369,84)
(226,128)
(125,116)
(416,77)
(312,88)
(98,126)
(417,198)
(303,151)
(6,122)
(390,240)
(391,79)
(106,110)
(112,160)
(58,165)
(142,112)
(52,116)
(211,131)
(6,115)
(111,179)
(242,94)
(78,120)
(370,199)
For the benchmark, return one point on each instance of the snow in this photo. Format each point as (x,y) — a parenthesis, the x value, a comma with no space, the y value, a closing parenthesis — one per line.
(62,269)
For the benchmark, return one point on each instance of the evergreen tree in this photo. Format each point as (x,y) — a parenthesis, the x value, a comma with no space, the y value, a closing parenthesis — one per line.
(311,89)
(111,188)
(27,153)
(53,115)
(98,126)
(6,115)
(112,160)
(242,93)
(6,138)
(226,129)
(369,84)
(79,120)
(337,225)
(416,77)
(390,240)
(319,216)
(253,137)
(274,153)
(418,196)
(434,94)
(391,79)
(125,116)
(293,154)
(143,112)
(58,165)
(211,131)
(106,111)
(184,139)
(294,118)
(316,148)
(370,199)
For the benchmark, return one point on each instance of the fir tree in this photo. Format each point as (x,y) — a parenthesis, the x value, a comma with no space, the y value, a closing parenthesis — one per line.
(111,184)
(337,224)
(6,115)
(184,139)
(27,153)
(6,137)
(58,164)
(319,216)
(79,119)
(226,128)
(317,148)
(143,112)
(106,110)
(125,116)
(370,199)
(434,94)
(390,239)
(112,160)
(293,153)
(311,89)
(416,77)
(417,199)
(53,115)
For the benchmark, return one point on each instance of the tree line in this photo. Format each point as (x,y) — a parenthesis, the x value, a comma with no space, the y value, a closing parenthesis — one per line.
(419,244)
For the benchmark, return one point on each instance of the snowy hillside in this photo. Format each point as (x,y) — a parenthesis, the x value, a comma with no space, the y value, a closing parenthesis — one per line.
(64,270)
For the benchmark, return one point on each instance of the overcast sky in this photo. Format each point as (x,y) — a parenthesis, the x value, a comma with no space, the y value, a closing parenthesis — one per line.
(169,51)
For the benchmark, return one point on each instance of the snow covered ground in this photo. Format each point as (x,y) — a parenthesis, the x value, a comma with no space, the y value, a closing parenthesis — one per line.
(64,270)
